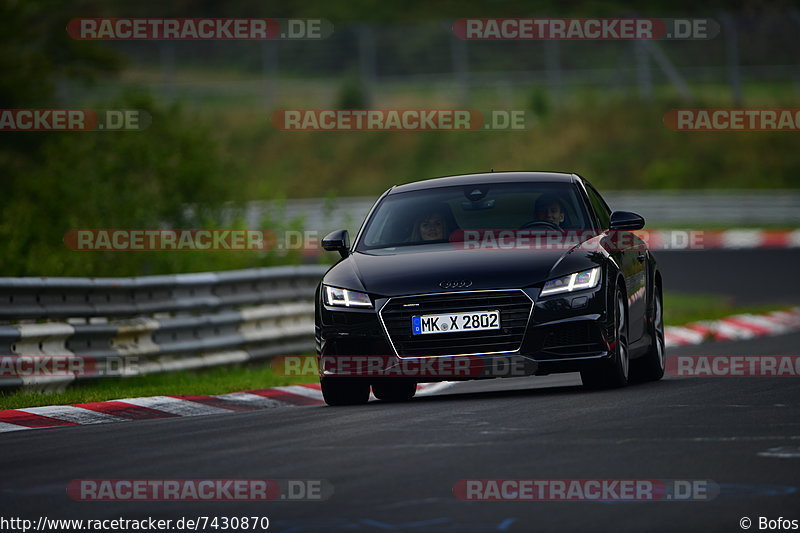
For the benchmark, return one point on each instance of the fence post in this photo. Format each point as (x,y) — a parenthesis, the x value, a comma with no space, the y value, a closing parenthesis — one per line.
(732,56)
(553,65)
(366,61)
(460,60)
(269,67)
(643,73)
(167,49)
(795,14)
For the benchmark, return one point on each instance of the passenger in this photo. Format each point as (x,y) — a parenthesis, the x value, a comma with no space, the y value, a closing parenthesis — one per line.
(434,223)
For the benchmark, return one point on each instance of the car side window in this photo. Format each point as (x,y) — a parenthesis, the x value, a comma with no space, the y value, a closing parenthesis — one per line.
(599,207)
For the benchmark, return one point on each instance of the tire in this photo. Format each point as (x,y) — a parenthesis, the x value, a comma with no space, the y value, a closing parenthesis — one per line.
(614,373)
(394,391)
(650,366)
(342,391)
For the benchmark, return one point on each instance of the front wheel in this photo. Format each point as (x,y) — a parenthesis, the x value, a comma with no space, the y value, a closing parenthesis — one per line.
(650,367)
(613,373)
(343,391)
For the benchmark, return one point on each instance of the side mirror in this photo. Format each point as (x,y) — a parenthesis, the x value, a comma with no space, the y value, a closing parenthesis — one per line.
(625,220)
(337,241)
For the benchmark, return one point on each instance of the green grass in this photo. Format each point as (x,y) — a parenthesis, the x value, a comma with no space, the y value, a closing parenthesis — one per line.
(610,136)
(682,308)
(211,381)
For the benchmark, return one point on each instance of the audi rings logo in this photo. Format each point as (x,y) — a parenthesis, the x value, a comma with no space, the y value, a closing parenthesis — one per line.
(456,284)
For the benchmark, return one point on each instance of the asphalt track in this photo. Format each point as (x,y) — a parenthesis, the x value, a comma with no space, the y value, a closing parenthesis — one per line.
(393,466)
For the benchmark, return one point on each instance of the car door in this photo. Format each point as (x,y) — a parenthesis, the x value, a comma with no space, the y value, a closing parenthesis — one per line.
(631,254)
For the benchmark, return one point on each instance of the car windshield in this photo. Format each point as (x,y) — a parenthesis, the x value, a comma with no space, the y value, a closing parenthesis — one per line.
(434,216)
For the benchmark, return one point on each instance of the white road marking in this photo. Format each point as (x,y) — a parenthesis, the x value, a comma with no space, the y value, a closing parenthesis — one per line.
(782,452)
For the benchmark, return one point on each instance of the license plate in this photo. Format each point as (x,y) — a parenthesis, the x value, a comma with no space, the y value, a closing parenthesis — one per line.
(455,322)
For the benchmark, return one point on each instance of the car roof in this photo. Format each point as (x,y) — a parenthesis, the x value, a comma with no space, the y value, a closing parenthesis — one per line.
(486,177)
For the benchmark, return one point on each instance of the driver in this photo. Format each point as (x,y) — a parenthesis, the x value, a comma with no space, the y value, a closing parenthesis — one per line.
(548,208)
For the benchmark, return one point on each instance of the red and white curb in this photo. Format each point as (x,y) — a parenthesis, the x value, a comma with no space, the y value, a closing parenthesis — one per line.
(736,327)
(129,409)
(733,239)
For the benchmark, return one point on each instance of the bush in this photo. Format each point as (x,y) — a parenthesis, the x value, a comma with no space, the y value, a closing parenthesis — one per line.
(124,179)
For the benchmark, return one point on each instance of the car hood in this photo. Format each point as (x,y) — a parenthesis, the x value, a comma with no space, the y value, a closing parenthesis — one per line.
(413,272)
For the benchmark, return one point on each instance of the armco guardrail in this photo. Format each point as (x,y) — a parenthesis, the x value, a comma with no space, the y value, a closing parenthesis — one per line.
(700,207)
(131,326)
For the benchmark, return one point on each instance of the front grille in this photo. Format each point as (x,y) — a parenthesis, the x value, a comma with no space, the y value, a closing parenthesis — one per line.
(514,307)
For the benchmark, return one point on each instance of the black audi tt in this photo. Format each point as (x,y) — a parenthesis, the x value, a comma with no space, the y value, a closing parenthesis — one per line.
(488,275)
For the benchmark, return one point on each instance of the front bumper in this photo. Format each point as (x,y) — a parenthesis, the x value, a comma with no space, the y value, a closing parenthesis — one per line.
(564,333)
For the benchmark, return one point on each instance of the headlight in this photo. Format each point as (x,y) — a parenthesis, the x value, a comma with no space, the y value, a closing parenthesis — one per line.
(345,298)
(585,279)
